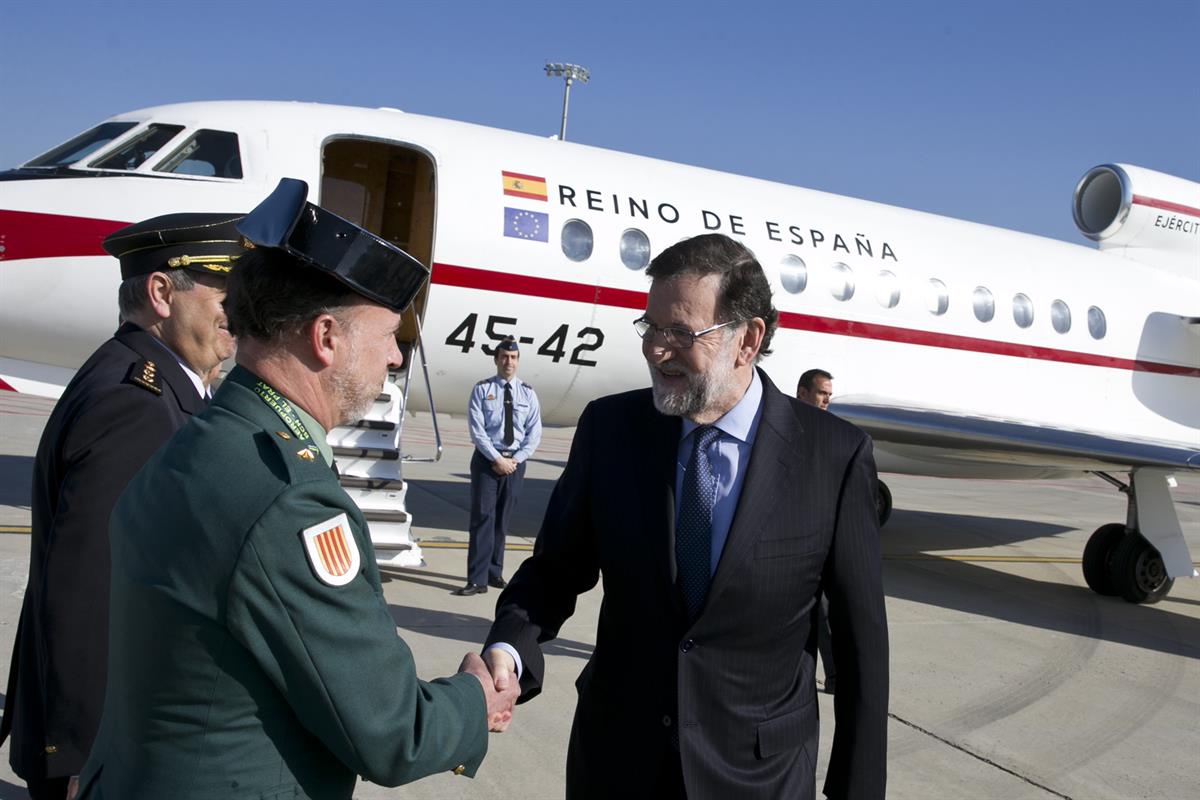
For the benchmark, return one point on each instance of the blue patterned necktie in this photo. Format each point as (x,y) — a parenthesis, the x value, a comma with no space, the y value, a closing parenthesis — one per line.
(693,533)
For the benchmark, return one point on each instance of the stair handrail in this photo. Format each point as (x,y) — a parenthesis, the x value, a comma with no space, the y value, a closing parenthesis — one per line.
(437,434)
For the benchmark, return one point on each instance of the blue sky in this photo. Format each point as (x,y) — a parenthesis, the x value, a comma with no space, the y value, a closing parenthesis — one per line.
(988,111)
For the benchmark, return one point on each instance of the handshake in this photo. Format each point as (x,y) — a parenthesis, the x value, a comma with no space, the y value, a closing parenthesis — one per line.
(500,686)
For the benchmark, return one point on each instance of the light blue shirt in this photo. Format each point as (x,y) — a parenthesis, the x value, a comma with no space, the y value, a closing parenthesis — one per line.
(728,456)
(485,418)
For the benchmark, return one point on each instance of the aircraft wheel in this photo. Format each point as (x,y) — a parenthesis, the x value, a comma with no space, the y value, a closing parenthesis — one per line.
(883,502)
(1097,556)
(1138,572)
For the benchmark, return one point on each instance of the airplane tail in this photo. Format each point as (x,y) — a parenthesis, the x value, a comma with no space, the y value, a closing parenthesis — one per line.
(1143,215)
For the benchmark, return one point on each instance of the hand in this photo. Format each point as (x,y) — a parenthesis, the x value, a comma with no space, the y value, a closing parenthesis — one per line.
(503,669)
(72,787)
(504,466)
(499,703)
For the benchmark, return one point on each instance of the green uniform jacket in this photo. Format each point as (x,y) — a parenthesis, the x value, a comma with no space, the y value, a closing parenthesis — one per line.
(235,669)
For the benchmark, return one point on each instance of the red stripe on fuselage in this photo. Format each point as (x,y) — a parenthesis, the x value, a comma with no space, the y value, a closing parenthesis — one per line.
(27,234)
(1165,205)
(487,280)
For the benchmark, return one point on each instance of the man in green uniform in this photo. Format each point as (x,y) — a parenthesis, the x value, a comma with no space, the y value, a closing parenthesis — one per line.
(251,650)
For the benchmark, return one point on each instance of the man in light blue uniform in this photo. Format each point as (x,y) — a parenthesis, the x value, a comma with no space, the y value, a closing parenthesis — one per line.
(506,427)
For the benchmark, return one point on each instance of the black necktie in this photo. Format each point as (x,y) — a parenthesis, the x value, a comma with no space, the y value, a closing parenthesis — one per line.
(508,414)
(693,534)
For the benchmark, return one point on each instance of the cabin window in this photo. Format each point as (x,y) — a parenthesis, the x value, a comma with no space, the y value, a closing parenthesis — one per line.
(1060,316)
(635,249)
(577,240)
(82,145)
(793,274)
(211,154)
(134,153)
(1097,324)
(984,304)
(887,290)
(841,284)
(937,299)
(1022,310)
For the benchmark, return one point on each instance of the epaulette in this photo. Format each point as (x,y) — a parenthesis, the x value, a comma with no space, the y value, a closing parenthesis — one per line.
(302,460)
(527,385)
(144,374)
(482,382)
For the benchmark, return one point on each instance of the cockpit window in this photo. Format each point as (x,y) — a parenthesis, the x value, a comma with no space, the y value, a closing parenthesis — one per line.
(213,154)
(134,153)
(82,145)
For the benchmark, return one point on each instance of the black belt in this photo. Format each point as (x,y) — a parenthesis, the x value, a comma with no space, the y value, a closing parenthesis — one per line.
(507,453)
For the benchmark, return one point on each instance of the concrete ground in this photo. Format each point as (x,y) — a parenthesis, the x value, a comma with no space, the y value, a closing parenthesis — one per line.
(1010,679)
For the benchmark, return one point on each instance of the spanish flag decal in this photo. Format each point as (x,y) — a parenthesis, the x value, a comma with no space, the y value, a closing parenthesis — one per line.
(332,551)
(531,187)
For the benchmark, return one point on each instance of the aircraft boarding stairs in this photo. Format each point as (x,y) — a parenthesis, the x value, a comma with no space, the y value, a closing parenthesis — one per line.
(370,462)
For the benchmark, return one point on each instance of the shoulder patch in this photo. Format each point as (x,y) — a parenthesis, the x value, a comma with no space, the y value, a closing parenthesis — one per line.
(332,551)
(144,374)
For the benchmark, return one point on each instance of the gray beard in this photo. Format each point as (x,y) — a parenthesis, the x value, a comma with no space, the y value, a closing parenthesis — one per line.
(353,395)
(701,393)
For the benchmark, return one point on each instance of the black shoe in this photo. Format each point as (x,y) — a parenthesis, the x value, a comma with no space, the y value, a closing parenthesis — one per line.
(470,589)
(830,685)
(497,583)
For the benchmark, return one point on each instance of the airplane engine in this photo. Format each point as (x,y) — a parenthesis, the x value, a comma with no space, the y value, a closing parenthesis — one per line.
(1141,214)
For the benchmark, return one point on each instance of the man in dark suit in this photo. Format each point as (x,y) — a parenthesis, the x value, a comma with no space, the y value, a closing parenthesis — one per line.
(125,401)
(716,510)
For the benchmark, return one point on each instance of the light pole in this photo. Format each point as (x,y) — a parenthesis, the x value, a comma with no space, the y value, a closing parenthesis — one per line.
(571,72)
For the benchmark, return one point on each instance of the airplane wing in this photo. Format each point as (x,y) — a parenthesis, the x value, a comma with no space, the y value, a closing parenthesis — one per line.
(997,441)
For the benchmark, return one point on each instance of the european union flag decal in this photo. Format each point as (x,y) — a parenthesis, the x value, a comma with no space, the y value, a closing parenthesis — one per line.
(522,224)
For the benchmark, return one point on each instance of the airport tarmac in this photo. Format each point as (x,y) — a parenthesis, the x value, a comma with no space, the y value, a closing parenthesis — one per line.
(1009,677)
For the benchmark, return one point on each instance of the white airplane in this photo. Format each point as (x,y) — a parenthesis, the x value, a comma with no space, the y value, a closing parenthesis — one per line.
(965,350)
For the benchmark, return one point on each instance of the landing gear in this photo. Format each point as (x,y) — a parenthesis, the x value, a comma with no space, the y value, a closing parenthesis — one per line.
(883,502)
(1118,559)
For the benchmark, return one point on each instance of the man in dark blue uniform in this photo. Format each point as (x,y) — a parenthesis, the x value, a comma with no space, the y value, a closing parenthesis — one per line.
(125,401)
(506,427)
(252,652)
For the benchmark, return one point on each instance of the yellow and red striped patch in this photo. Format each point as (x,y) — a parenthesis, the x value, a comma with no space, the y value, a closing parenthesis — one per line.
(531,187)
(332,551)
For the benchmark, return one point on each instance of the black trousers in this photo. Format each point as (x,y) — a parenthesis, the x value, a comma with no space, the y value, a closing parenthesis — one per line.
(493,498)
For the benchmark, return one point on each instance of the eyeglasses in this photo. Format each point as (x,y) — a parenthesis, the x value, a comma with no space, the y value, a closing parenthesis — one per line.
(679,338)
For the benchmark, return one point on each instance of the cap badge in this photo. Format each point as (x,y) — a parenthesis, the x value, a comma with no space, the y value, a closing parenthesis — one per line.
(332,551)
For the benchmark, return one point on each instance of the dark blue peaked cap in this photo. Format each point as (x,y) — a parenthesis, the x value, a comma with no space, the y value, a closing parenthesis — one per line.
(372,267)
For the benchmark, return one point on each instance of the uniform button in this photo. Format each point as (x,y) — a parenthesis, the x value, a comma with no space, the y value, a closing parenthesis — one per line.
(687,645)
(459,770)
(51,749)
(666,720)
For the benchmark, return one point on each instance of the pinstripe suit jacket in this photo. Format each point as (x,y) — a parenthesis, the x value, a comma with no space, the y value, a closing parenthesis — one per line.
(731,696)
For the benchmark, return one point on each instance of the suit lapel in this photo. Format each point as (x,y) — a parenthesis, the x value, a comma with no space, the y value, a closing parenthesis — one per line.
(151,349)
(773,461)
(659,516)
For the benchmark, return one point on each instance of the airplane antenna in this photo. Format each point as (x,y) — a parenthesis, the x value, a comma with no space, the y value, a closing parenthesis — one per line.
(570,72)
